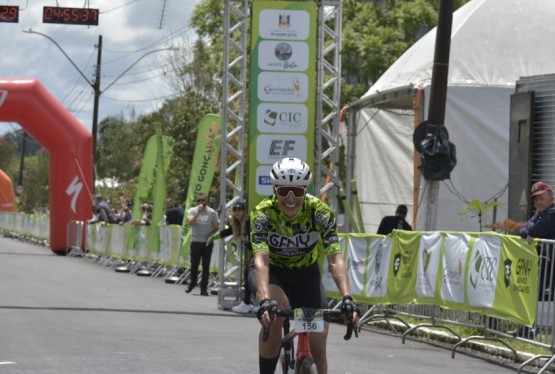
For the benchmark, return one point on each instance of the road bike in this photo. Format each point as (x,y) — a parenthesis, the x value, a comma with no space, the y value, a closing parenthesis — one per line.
(305,322)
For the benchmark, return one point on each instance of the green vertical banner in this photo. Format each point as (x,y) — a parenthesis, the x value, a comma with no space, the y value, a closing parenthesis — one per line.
(205,160)
(283,88)
(159,192)
(152,181)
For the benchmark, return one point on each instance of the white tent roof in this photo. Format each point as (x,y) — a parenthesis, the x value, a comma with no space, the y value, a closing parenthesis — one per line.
(493,43)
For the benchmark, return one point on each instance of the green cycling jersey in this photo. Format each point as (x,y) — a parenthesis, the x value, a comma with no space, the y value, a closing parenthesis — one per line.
(293,243)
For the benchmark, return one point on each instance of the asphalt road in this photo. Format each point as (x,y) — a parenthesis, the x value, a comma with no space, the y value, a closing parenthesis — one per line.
(69,315)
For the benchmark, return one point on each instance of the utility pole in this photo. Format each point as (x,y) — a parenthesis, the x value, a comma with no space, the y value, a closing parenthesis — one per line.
(438,99)
(97,93)
(19,188)
(96,84)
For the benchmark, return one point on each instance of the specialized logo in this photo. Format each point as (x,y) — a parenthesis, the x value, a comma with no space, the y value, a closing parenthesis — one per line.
(74,189)
(3,96)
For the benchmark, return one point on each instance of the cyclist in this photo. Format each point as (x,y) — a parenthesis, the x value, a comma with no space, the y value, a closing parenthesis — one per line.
(287,230)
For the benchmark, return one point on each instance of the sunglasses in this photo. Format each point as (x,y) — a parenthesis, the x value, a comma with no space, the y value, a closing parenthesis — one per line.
(284,191)
(201,200)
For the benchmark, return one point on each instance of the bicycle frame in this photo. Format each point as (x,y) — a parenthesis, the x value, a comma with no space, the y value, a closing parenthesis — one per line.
(303,352)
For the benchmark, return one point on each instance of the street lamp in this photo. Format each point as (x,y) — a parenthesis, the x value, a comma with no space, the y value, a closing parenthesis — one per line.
(96,84)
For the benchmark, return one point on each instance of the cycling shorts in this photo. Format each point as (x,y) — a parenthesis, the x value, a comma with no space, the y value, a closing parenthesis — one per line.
(303,287)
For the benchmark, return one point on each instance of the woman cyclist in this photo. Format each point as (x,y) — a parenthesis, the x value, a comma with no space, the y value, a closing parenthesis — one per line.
(287,230)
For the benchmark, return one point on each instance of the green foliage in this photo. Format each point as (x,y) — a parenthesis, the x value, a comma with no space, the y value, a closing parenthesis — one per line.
(36,195)
(375,34)
(8,157)
(479,209)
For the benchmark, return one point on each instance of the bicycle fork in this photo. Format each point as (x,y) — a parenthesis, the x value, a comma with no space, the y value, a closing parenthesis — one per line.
(288,346)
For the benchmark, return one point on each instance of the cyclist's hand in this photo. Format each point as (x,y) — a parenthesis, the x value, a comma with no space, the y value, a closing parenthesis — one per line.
(267,312)
(350,310)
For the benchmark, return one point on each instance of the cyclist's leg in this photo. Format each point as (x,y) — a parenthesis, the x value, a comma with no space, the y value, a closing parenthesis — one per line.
(269,350)
(310,293)
(318,349)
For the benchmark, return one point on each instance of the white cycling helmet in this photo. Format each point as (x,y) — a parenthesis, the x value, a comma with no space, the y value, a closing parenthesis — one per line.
(291,172)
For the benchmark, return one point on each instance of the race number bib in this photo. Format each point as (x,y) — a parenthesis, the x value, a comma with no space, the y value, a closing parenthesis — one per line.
(315,324)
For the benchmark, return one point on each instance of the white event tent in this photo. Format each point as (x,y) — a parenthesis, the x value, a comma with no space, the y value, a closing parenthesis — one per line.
(493,44)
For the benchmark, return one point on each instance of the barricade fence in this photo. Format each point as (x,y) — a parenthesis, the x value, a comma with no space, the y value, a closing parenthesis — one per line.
(497,284)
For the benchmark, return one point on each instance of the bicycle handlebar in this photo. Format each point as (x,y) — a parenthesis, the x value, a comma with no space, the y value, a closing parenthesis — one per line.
(326,313)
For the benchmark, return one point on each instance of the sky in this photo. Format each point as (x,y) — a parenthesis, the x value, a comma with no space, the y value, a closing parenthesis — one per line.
(129,28)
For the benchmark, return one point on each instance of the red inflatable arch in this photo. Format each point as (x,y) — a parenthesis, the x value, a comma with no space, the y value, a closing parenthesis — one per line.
(28,103)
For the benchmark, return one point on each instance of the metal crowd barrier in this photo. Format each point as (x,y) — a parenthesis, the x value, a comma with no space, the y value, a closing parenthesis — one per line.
(112,244)
(487,328)
(74,239)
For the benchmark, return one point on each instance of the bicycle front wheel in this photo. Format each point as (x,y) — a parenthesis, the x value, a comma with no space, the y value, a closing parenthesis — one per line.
(306,366)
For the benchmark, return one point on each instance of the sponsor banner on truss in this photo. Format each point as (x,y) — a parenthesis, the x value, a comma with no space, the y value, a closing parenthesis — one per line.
(283,89)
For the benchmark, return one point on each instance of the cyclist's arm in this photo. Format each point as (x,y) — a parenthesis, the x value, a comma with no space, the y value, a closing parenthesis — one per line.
(261,277)
(262,274)
(338,270)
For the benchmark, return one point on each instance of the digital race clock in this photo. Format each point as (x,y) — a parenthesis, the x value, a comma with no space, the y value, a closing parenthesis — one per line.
(70,16)
(9,13)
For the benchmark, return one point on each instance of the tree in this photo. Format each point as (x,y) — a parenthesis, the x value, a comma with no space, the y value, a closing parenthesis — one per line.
(119,155)
(35,197)
(375,34)
(8,154)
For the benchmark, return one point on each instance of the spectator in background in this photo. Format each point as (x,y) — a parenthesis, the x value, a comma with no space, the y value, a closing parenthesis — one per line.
(542,225)
(103,212)
(146,217)
(204,221)
(240,229)
(396,222)
(174,213)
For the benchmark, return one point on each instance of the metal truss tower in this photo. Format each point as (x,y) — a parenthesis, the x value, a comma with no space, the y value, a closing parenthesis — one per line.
(233,155)
(234,103)
(328,96)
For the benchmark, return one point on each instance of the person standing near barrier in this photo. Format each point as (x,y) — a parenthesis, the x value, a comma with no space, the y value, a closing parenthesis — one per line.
(287,230)
(174,213)
(203,221)
(396,222)
(542,225)
(240,228)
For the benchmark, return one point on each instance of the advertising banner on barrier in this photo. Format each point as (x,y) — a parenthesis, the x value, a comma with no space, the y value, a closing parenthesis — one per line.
(502,279)
(454,259)
(403,268)
(488,273)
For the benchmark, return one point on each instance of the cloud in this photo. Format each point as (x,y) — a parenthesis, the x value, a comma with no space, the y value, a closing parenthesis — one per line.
(129,28)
